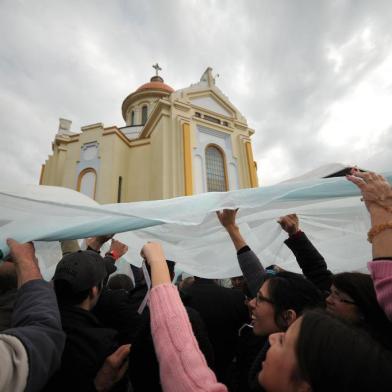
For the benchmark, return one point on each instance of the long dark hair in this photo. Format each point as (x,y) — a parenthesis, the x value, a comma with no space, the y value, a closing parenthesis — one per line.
(288,290)
(360,288)
(334,356)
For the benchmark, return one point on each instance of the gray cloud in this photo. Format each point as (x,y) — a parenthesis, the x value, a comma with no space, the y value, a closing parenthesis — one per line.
(278,62)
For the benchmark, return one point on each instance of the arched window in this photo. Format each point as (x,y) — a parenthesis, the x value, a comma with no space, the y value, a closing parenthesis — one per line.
(87,181)
(144,114)
(216,170)
(133,117)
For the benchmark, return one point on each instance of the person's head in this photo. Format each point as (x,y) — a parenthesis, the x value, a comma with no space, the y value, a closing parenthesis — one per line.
(8,278)
(120,282)
(237,282)
(186,283)
(280,301)
(78,279)
(321,353)
(353,298)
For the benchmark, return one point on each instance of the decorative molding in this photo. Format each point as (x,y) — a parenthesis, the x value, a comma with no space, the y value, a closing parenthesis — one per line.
(181,106)
(206,123)
(92,127)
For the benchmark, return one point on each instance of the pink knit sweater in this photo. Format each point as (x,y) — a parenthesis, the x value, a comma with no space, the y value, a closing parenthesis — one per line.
(381,271)
(183,367)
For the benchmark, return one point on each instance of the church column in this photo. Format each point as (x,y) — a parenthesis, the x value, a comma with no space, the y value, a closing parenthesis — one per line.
(251,166)
(186,132)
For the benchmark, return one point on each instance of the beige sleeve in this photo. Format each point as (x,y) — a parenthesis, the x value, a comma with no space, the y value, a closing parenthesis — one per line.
(14,367)
(69,246)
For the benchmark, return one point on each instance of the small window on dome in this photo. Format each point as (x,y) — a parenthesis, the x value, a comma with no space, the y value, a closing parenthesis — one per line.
(133,117)
(144,114)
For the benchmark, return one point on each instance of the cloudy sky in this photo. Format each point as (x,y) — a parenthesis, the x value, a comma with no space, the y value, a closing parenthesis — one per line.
(313,77)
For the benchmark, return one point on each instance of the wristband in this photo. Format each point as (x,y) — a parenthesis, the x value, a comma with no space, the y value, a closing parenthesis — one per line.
(113,254)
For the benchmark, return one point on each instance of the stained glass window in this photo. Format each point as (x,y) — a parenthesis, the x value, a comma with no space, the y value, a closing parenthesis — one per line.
(216,180)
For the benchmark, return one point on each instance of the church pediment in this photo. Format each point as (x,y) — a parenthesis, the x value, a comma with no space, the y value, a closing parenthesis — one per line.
(212,104)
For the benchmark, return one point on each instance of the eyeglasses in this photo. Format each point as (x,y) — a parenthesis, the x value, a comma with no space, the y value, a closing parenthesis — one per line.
(260,298)
(338,297)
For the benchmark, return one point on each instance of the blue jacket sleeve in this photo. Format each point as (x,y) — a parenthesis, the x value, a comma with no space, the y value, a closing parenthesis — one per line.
(36,323)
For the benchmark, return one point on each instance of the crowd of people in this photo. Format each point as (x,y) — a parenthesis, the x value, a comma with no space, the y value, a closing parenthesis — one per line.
(88,329)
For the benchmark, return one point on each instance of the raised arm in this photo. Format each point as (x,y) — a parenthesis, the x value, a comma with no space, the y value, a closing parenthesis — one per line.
(182,364)
(309,259)
(35,342)
(251,267)
(377,195)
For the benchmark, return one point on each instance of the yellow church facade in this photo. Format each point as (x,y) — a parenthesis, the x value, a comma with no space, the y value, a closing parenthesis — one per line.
(174,143)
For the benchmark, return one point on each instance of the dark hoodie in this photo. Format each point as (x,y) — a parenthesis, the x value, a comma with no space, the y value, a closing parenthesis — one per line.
(88,344)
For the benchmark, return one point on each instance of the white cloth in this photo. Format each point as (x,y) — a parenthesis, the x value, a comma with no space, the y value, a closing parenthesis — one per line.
(330,213)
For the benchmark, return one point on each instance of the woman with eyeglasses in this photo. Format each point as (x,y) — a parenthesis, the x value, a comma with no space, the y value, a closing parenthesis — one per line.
(351,295)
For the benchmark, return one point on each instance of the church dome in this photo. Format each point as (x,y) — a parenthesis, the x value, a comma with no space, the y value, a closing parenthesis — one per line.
(156,83)
(155,88)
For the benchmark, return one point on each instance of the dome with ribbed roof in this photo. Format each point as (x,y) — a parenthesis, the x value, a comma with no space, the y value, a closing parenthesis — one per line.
(156,83)
(155,88)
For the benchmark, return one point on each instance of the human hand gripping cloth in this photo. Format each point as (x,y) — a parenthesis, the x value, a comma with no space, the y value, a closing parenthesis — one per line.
(182,365)
(329,209)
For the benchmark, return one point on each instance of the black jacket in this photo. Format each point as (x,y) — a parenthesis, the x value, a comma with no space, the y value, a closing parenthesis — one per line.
(223,311)
(87,345)
(117,309)
(310,260)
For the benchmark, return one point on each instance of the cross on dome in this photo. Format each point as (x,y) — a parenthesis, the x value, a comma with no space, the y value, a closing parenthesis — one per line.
(157,68)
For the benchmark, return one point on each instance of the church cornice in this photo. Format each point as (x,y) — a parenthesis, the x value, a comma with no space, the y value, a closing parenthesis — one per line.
(184,107)
(161,109)
(130,143)
(209,125)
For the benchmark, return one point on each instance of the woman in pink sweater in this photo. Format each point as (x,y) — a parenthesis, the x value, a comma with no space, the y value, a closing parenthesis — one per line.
(317,353)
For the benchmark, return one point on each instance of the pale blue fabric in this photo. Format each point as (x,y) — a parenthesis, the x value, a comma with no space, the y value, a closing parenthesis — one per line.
(188,227)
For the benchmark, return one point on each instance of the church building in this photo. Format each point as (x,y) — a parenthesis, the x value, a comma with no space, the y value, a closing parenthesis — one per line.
(174,143)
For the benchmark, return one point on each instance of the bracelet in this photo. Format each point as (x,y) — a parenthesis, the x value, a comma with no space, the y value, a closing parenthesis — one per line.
(375,230)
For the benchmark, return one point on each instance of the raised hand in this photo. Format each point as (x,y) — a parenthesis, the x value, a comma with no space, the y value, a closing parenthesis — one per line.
(118,248)
(26,264)
(21,253)
(289,223)
(376,190)
(97,242)
(152,251)
(227,217)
